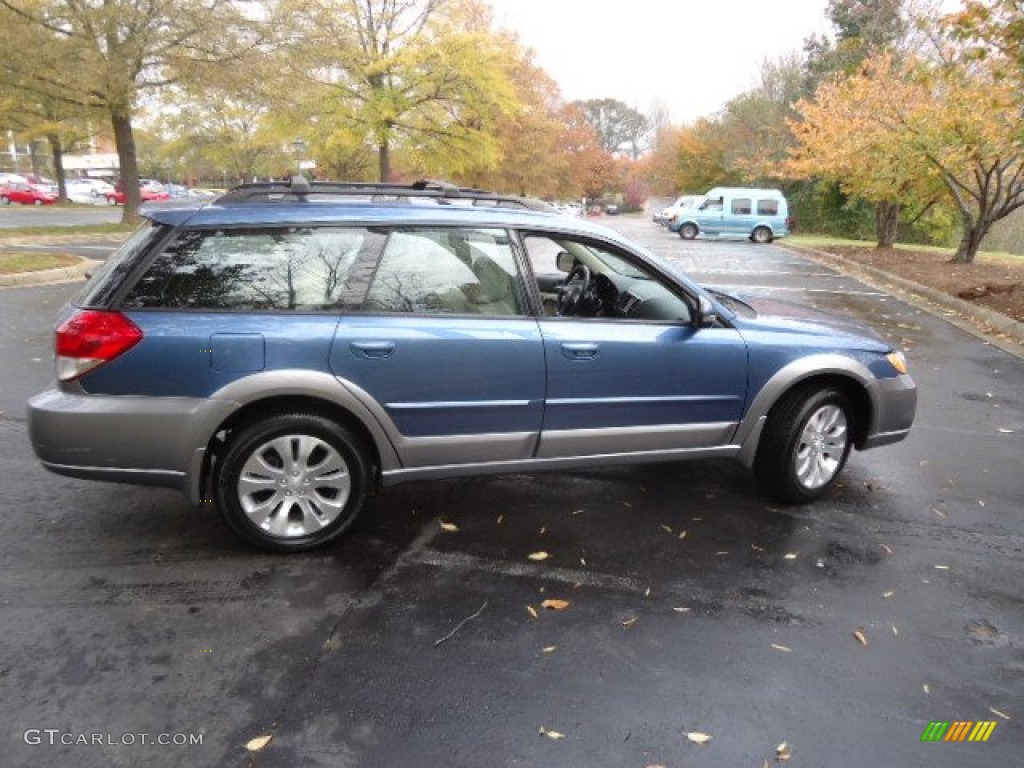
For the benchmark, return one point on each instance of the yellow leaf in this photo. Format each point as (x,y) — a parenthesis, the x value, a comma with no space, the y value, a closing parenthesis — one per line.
(554,735)
(783,648)
(784,751)
(555,605)
(698,737)
(861,637)
(450,527)
(532,610)
(539,556)
(549,649)
(255,745)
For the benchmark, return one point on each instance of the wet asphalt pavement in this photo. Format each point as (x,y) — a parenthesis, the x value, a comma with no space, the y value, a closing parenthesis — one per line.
(694,605)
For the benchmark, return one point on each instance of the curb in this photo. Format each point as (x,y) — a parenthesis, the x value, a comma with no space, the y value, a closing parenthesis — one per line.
(982,322)
(49,276)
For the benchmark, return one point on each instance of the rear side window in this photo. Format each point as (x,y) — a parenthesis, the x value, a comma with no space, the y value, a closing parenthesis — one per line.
(449,272)
(768,207)
(741,206)
(299,269)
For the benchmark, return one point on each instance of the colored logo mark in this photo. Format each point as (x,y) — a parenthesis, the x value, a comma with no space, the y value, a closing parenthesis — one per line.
(959,730)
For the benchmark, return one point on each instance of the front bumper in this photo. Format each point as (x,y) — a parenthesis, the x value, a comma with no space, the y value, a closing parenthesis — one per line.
(895,404)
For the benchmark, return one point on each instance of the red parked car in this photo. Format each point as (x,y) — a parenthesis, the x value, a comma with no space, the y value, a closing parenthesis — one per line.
(26,194)
(148,193)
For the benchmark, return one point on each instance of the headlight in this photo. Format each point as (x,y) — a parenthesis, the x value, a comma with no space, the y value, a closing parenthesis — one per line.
(897,361)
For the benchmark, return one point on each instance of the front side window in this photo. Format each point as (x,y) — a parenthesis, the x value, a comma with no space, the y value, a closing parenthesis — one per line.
(284,268)
(712,204)
(741,206)
(767,207)
(448,272)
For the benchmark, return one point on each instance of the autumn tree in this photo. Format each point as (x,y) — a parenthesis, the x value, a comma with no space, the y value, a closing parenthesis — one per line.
(891,126)
(618,126)
(993,29)
(423,76)
(107,56)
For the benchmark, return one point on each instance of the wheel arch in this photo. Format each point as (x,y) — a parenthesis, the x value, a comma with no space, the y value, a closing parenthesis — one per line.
(814,373)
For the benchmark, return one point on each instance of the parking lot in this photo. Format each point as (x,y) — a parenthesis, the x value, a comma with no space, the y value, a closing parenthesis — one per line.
(685,602)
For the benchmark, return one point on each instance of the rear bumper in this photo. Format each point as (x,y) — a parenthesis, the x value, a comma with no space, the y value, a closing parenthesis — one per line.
(895,403)
(141,440)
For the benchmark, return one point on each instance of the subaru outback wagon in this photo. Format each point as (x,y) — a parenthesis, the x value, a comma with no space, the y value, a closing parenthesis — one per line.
(290,348)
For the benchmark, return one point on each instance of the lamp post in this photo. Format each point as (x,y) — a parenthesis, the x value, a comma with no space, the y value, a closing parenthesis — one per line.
(300,147)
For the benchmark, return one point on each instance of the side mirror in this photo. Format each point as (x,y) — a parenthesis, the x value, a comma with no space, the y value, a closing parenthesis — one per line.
(707,317)
(565,261)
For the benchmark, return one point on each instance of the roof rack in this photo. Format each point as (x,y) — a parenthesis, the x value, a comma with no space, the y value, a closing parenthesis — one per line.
(300,188)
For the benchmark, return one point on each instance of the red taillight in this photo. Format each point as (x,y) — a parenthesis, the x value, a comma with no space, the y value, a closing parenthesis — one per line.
(90,338)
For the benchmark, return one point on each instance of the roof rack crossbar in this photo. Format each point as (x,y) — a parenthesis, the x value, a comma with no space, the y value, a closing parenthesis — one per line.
(298,187)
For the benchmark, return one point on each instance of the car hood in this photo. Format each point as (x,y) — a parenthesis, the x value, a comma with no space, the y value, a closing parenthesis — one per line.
(777,315)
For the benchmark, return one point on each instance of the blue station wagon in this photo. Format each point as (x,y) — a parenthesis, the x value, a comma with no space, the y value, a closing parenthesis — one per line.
(290,347)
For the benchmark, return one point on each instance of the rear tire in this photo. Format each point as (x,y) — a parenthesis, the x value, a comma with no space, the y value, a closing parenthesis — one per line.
(806,441)
(292,482)
(4,200)
(688,231)
(761,235)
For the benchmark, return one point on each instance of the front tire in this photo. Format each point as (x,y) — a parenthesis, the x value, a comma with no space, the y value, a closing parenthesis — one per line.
(688,231)
(761,235)
(292,482)
(806,441)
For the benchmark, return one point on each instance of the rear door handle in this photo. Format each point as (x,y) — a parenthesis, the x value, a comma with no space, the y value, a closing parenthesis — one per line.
(372,350)
(580,351)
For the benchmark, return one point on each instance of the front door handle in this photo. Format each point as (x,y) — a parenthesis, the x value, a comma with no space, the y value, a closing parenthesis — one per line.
(372,350)
(580,351)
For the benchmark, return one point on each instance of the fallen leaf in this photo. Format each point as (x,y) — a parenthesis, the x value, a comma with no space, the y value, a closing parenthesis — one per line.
(941,567)
(532,610)
(698,737)
(682,534)
(255,745)
(627,504)
(981,503)
(583,562)
(939,512)
(555,605)
(784,751)
(925,688)
(629,622)
(647,592)
(548,649)
(500,518)
(681,610)
(1006,431)
(577,512)
(553,735)
(783,648)
(539,556)
(887,549)
(722,553)
(756,548)
(543,530)
(789,556)
(895,631)
(862,638)
(666,529)
(450,527)
(1003,715)
(890,593)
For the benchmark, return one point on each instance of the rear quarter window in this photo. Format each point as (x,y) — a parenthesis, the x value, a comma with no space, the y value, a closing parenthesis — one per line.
(767,207)
(105,282)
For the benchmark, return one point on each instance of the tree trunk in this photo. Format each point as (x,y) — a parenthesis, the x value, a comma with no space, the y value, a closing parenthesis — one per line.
(33,157)
(57,150)
(384,156)
(887,223)
(124,139)
(971,242)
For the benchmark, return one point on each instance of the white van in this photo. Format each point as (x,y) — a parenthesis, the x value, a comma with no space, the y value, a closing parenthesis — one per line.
(758,214)
(664,216)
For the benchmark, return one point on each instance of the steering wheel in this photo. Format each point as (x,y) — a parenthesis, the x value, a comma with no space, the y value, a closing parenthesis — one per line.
(577,285)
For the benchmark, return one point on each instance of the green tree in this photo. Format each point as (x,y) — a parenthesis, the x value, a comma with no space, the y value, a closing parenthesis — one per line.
(618,126)
(425,76)
(108,56)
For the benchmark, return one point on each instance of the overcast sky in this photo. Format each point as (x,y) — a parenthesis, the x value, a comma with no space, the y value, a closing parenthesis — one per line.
(692,55)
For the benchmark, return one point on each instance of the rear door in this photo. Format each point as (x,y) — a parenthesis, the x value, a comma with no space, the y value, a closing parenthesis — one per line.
(443,343)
